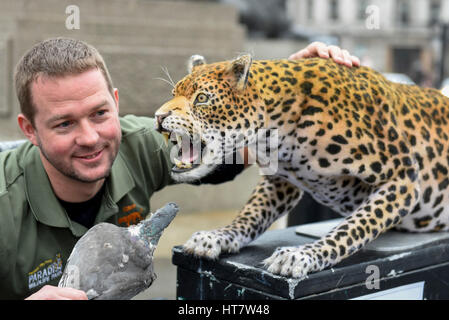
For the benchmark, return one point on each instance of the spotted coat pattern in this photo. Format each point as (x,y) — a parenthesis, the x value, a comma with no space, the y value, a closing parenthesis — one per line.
(375,151)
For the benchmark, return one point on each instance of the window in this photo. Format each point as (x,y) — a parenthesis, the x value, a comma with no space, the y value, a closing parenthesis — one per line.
(403,12)
(333,10)
(309,10)
(434,12)
(361,11)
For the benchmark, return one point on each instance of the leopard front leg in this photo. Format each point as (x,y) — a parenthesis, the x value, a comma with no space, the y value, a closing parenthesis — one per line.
(271,199)
(382,210)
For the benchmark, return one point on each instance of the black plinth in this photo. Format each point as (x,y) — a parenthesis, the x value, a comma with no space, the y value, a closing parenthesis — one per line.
(395,266)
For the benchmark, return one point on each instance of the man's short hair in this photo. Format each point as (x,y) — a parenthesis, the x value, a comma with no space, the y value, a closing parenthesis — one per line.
(55,57)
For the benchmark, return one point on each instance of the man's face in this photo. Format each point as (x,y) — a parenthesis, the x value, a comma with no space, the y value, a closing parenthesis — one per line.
(76,126)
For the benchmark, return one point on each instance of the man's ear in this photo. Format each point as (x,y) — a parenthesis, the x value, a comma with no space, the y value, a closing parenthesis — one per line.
(27,128)
(239,70)
(116,99)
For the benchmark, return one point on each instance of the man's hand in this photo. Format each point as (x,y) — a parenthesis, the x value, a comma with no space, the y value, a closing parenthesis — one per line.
(56,293)
(319,49)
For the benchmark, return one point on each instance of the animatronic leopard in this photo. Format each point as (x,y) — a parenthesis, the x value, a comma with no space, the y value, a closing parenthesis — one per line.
(375,151)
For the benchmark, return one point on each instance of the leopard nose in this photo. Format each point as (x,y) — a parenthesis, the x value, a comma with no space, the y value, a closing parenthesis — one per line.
(159,119)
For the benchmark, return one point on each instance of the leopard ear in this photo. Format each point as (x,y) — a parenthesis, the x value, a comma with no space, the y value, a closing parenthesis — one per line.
(239,68)
(194,61)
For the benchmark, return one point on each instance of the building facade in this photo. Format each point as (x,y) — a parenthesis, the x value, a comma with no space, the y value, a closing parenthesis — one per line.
(389,35)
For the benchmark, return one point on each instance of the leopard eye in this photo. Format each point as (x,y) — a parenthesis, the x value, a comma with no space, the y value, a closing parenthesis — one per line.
(201,98)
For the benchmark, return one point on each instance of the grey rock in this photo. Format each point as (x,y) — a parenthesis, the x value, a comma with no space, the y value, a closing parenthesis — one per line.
(111,262)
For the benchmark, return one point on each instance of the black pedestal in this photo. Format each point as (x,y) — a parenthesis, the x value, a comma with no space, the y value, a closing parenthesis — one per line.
(395,266)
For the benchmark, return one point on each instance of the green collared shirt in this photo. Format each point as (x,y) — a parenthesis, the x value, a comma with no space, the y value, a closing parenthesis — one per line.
(36,234)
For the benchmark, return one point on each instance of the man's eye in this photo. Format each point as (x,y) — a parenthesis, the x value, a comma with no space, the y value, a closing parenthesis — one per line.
(64,124)
(201,98)
(99,115)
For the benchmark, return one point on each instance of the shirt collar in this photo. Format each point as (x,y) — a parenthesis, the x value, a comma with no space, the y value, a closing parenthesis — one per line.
(46,207)
(120,181)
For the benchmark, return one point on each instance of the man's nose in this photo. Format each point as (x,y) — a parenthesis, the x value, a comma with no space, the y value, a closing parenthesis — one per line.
(159,119)
(88,135)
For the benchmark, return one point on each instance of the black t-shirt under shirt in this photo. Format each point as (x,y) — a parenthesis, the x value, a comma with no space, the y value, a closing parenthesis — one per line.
(84,212)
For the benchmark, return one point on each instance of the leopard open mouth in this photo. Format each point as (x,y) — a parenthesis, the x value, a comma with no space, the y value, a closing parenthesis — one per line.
(189,151)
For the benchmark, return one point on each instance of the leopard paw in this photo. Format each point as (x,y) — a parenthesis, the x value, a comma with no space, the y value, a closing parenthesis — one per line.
(294,262)
(209,244)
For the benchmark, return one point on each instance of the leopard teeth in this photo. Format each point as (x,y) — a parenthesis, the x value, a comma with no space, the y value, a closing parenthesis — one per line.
(187,165)
(178,163)
(182,165)
(166,135)
(179,139)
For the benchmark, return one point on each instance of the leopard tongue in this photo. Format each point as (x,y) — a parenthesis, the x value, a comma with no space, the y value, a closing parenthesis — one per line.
(189,154)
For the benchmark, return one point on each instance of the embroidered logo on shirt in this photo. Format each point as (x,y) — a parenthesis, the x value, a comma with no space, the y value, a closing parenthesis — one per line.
(134,215)
(45,272)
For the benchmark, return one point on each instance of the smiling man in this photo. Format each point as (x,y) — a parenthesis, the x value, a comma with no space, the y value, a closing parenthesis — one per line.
(77,131)
(83,164)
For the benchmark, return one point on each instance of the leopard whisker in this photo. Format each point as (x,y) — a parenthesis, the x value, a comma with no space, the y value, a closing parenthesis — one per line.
(165,70)
(165,80)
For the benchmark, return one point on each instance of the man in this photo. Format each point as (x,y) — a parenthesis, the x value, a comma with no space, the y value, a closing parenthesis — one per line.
(83,164)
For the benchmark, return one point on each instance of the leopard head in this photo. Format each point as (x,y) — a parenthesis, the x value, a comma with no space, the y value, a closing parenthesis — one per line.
(211,116)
